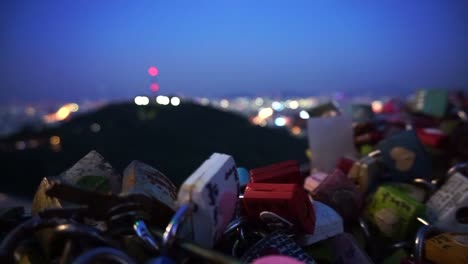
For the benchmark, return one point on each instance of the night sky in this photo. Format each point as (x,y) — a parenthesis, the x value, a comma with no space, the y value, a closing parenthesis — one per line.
(71,50)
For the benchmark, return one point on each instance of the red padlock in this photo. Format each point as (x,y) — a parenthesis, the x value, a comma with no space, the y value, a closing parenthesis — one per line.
(431,137)
(345,164)
(339,192)
(289,201)
(282,172)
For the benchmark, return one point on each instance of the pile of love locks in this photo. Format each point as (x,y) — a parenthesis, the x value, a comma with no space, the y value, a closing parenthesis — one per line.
(386,188)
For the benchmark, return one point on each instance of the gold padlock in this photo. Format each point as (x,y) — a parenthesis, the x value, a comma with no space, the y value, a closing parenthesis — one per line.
(365,172)
(447,248)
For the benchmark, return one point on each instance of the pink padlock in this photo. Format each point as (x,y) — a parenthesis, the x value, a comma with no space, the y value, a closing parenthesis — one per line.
(277,259)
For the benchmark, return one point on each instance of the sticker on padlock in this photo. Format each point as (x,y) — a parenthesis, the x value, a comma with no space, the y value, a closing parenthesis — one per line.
(394,212)
(347,251)
(405,156)
(327,148)
(328,223)
(139,177)
(446,207)
(276,243)
(339,192)
(431,102)
(289,201)
(213,189)
(282,172)
(447,248)
(366,172)
(88,171)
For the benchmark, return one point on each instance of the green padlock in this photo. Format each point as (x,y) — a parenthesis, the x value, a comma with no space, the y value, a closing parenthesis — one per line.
(433,102)
(395,212)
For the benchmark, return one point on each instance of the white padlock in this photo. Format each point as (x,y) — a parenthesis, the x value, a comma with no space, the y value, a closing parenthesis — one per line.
(444,207)
(213,191)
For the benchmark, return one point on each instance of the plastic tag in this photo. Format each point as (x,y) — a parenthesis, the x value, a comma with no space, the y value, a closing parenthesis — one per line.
(329,139)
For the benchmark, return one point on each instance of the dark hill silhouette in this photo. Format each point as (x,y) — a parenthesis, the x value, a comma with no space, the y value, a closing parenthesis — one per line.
(175,140)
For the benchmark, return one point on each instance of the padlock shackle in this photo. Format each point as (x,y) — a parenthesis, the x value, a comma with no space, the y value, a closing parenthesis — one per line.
(170,234)
(423,233)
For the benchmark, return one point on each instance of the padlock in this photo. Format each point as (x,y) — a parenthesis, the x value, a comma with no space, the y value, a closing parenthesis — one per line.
(393,106)
(213,189)
(447,248)
(432,137)
(447,208)
(405,156)
(370,138)
(431,102)
(345,164)
(282,172)
(326,147)
(277,259)
(140,178)
(362,113)
(289,201)
(244,177)
(276,243)
(366,172)
(347,251)
(328,223)
(94,173)
(419,189)
(394,211)
(339,192)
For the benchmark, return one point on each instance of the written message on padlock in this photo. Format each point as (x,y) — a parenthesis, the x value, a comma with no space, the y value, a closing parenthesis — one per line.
(213,189)
(394,212)
(445,207)
(447,248)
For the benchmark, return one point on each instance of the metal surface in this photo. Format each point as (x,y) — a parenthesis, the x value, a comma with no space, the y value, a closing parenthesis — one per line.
(170,233)
(423,233)
(145,235)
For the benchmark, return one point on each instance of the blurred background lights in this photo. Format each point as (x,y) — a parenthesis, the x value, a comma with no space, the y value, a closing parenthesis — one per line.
(296,130)
(73,107)
(293,104)
(141,100)
(63,113)
(377,106)
(304,115)
(277,106)
(280,121)
(54,140)
(265,112)
(153,71)
(175,101)
(95,127)
(259,101)
(20,145)
(224,103)
(154,87)
(162,100)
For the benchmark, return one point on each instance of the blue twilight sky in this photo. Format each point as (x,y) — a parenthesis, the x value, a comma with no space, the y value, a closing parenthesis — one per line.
(68,50)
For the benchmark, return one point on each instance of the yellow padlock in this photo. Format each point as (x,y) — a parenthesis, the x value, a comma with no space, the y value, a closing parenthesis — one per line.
(447,248)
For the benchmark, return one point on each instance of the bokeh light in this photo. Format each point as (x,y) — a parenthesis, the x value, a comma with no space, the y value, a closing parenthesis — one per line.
(175,101)
(153,71)
(304,115)
(154,87)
